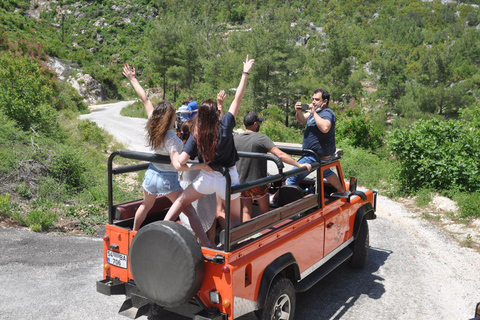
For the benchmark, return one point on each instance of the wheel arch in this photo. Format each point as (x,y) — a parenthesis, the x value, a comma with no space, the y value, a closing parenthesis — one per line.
(285,265)
(364,212)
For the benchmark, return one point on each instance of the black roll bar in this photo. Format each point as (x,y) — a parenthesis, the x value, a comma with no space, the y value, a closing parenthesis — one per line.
(229,190)
(152,157)
(136,155)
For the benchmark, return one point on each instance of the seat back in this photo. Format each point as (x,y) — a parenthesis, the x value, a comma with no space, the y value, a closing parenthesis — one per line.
(289,193)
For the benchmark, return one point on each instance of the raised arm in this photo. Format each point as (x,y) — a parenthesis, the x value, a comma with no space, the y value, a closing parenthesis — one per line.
(220,100)
(301,117)
(131,75)
(235,106)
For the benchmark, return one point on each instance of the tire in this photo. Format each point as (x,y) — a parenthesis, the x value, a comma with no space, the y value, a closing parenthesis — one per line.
(166,263)
(280,303)
(360,247)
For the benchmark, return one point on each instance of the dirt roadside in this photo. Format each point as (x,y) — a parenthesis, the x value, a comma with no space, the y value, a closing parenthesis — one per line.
(441,212)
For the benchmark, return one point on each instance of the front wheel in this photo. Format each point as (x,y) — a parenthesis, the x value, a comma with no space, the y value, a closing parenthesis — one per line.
(360,247)
(280,304)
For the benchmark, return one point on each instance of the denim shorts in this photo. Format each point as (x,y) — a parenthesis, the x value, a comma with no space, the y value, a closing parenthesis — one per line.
(160,182)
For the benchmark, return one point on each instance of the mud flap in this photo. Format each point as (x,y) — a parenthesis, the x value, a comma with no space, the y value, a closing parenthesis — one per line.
(134,310)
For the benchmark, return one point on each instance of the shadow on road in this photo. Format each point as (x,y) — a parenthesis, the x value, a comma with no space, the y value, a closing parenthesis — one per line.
(335,294)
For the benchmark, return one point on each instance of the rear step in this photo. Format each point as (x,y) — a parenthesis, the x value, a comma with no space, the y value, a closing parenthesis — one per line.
(134,307)
(324,270)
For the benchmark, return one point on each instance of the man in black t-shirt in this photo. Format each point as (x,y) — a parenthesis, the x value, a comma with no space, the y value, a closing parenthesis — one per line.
(250,169)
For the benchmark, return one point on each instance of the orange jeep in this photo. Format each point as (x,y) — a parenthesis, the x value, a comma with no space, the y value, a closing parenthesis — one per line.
(262,263)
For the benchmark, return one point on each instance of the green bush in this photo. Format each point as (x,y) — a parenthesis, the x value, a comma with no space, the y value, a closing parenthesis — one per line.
(9,208)
(40,219)
(91,133)
(26,92)
(68,167)
(438,155)
(468,204)
(275,129)
(4,203)
(11,138)
(355,128)
(423,197)
(371,171)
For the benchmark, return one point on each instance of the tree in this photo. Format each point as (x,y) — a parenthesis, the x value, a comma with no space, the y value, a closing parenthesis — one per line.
(162,53)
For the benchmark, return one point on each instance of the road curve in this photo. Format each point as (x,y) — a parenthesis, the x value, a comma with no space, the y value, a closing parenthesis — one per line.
(127,130)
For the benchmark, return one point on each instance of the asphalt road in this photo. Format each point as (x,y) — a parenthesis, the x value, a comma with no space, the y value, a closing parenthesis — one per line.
(415,271)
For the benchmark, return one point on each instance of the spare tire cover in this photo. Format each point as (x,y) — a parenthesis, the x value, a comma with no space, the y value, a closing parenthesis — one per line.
(166,263)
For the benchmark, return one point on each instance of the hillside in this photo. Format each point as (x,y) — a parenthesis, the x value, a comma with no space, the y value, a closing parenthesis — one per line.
(404,77)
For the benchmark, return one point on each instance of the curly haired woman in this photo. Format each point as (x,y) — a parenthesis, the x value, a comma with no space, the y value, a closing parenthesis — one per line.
(162,179)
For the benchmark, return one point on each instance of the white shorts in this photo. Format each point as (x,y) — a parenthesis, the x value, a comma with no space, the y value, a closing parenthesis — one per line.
(211,182)
(205,206)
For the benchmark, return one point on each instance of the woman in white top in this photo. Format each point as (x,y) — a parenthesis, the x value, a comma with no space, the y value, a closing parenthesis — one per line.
(162,179)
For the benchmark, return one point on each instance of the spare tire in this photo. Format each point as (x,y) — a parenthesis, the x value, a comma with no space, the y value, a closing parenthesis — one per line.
(166,263)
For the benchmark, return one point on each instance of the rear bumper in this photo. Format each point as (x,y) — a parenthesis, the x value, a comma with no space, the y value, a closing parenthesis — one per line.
(136,305)
(111,287)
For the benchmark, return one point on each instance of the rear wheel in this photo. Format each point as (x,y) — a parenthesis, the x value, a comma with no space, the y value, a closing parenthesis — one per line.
(360,247)
(280,304)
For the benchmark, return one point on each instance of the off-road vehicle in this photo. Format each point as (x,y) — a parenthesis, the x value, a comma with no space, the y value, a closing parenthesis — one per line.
(262,263)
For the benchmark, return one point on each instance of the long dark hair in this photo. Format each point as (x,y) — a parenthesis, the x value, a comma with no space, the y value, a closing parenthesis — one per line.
(206,129)
(159,123)
(185,131)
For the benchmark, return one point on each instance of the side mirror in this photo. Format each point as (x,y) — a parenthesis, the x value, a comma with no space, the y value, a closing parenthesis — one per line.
(353,185)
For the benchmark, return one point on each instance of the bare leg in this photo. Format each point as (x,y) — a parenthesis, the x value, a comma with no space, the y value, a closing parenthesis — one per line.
(143,209)
(246,205)
(220,213)
(235,212)
(185,198)
(335,181)
(211,232)
(264,203)
(182,201)
(196,225)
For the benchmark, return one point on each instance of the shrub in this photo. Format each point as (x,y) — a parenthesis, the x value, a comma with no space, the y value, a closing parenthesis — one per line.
(4,203)
(371,171)
(424,197)
(10,209)
(26,92)
(437,154)
(68,167)
(91,133)
(274,128)
(10,137)
(357,129)
(468,204)
(40,219)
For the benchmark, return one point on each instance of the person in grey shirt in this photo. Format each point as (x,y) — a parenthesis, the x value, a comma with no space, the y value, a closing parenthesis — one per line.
(250,169)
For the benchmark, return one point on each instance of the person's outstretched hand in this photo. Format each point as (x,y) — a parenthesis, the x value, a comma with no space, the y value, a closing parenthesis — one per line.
(129,72)
(221,97)
(248,64)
